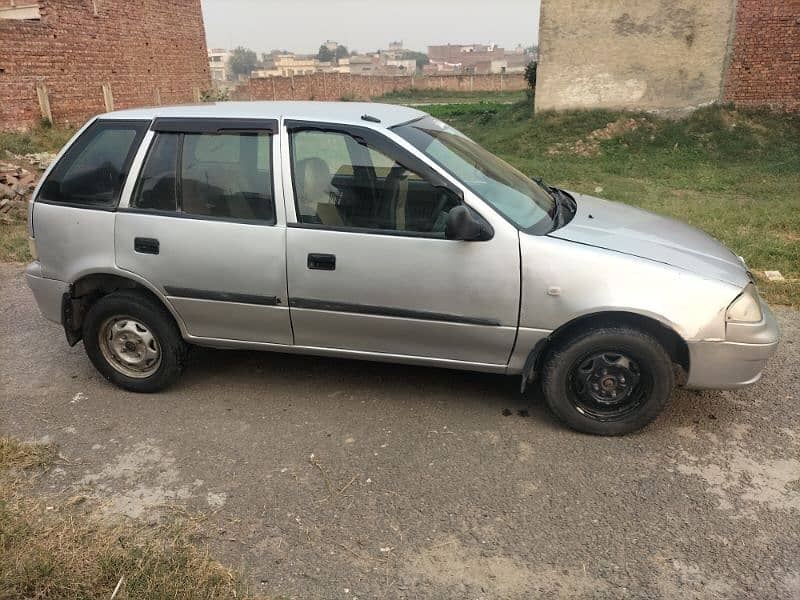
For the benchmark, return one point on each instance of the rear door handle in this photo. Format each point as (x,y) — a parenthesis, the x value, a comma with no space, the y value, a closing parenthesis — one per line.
(322,262)
(146,245)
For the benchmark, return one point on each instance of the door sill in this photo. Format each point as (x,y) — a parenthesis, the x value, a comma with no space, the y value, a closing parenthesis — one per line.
(446,363)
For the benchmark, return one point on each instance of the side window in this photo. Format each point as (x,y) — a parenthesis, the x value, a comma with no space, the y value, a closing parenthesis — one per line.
(227,176)
(340,181)
(224,176)
(157,185)
(93,170)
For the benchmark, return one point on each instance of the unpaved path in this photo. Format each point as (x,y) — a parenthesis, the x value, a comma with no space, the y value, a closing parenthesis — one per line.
(340,479)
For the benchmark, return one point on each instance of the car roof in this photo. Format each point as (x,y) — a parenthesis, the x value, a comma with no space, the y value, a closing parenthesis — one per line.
(389,115)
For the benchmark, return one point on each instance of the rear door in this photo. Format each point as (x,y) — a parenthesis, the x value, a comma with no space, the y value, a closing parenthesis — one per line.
(201,225)
(369,268)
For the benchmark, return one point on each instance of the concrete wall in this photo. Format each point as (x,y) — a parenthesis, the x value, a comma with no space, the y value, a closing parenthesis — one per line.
(145,52)
(638,54)
(337,86)
(765,58)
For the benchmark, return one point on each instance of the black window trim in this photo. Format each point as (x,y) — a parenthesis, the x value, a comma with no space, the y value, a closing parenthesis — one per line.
(381,143)
(181,215)
(128,162)
(213,125)
(210,129)
(369,230)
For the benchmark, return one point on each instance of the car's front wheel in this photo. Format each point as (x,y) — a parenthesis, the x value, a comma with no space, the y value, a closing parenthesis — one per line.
(134,342)
(608,381)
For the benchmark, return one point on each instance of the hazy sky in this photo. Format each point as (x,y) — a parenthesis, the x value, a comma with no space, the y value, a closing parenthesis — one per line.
(365,25)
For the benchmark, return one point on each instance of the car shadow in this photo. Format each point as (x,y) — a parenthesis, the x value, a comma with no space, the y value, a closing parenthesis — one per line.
(317,380)
(316,377)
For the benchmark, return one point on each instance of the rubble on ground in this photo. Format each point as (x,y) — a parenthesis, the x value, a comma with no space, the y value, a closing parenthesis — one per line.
(16,184)
(40,160)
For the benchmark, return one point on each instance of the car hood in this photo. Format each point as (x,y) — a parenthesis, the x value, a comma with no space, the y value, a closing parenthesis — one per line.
(622,228)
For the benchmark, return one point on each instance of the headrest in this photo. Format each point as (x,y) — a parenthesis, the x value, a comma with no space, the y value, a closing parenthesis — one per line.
(313,177)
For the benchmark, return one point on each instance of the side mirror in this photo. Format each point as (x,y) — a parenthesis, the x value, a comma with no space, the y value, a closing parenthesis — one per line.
(465,225)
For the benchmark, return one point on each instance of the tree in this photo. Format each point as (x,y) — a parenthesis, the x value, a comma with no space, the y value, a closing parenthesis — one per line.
(243,61)
(421,58)
(324,54)
(530,75)
(341,52)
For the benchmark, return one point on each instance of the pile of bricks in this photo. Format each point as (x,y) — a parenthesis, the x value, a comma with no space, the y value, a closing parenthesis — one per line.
(16,184)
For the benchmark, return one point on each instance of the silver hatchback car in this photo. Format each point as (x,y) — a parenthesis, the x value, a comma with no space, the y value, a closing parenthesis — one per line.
(378,232)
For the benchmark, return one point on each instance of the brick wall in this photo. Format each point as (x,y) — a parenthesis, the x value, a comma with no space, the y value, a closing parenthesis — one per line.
(143,50)
(764,68)
(337,86)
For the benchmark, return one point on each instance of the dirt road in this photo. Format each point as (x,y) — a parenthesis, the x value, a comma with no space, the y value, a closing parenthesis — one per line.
(340,479)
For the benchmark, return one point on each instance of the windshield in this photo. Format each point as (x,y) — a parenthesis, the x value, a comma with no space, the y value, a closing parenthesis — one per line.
(527,204)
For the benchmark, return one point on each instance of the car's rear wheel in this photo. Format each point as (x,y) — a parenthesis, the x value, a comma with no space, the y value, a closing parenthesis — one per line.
(608,381)
(134,342)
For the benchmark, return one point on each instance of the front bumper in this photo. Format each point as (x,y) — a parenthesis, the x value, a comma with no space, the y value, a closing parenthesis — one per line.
(734,364)
(47,292)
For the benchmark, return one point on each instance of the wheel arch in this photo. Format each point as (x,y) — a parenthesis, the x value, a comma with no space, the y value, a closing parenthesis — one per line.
(85,291)
(671,340)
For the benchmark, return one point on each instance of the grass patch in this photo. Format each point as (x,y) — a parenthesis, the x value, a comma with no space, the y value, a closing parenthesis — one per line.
(40,139)
(59,551)
(732,173)
(14,239)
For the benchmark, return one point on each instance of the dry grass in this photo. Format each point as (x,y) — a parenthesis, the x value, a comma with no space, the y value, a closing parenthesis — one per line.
(16,456)
(58,550)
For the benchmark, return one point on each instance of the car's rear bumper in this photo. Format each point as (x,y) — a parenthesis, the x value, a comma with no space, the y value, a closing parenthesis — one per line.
(734,364)
(47,292)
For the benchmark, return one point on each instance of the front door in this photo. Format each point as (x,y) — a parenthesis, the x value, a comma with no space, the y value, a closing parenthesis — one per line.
(369,268)
(201,226)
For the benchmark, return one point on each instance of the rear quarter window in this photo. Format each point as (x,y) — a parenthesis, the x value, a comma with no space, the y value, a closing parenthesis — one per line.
(93,170)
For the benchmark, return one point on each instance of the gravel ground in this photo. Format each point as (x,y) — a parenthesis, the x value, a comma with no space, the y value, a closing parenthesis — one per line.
(327,478)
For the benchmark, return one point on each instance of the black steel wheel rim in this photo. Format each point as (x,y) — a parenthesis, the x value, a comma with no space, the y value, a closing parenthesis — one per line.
(608,385)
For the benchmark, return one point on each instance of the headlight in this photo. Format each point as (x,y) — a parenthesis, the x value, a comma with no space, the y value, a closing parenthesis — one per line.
(746,308)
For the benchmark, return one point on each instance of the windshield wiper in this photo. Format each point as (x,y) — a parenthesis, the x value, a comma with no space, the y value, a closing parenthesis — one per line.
(569,201)
(555,196)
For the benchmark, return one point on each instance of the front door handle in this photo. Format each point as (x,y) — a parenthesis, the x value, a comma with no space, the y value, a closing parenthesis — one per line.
(146,245)
(322,262)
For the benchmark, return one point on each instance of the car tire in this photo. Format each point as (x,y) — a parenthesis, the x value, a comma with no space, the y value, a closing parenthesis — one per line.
(608,381)
(134,342)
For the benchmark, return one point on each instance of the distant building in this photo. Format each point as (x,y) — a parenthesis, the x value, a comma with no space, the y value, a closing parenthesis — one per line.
(363,64)
(288,65)
(395,51)
(478,59)
(218,64)
(406,65)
